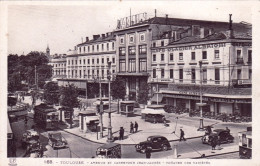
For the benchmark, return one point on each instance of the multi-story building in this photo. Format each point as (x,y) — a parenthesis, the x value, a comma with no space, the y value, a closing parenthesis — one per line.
(225,52)
(88,63)
(58,63)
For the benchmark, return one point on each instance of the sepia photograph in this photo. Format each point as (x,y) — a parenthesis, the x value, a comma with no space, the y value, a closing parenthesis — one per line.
(91,81)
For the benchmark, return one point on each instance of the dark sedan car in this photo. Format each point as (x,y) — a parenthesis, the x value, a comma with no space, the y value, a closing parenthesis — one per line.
(155,142)
(223,135)
(56,140)
(154,118)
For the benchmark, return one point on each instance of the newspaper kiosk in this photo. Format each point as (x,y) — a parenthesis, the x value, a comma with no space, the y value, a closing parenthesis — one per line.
(127,107)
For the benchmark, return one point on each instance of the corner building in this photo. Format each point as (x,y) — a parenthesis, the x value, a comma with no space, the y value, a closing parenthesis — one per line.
(226,72)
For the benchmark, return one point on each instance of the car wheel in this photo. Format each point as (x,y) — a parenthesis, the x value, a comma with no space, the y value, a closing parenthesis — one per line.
(164,148)
(142,150)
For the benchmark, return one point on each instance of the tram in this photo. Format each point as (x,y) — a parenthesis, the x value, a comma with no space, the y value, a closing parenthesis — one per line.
(46,116)
(245,144)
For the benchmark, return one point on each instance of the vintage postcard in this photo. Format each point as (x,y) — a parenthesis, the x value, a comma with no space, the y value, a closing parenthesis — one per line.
(129,83)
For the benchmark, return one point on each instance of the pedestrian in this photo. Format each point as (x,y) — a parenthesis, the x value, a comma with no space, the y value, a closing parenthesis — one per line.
(218,143)
(41,151)
(182,135)
(148,152)
(121,133)
(214,143)
(25,121)
(23,97)
(131,127)
(136,126)
(228,129)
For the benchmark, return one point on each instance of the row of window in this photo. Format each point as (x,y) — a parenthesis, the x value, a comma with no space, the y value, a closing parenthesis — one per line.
(132,65)
(204,55)
(89,74)
(193,56)
(88,61)
(132,38)
(59,64)
(142,49)
(204,74)
(99,47)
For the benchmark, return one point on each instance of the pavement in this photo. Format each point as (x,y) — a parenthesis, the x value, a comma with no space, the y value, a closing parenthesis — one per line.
(145,129)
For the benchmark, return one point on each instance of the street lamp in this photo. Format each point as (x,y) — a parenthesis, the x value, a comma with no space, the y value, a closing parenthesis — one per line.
(109,135)
(200,104)
(100,108)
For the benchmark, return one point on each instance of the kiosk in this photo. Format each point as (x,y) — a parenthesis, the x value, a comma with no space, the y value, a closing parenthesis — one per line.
(127,107)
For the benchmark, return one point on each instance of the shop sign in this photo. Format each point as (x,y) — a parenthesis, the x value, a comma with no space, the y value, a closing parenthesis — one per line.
(211,99)
(189,93)
(196,47)
(242,44)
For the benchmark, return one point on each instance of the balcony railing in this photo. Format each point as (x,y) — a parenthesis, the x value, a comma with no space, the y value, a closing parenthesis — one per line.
(240,61)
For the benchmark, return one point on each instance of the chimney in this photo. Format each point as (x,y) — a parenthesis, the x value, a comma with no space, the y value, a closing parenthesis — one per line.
(87,39)
(103,35)
(166,20)
(230,34)
(195,30)
(202,32)
(155,13)
(210,31)
(95,37)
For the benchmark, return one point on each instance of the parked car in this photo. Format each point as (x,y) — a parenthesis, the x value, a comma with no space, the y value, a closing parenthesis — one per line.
(155,142)
(154,118)
(222,134)
(104,100)
(56,140)
(28,136)
(33,146)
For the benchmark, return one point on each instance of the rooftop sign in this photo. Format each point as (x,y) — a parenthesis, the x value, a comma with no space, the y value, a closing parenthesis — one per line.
(131,20)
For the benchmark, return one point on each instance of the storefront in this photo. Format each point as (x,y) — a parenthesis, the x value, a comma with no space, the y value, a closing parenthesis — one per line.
(216,103)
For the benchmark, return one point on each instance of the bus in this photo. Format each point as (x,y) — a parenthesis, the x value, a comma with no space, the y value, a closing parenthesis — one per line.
(46,116)
(245,144)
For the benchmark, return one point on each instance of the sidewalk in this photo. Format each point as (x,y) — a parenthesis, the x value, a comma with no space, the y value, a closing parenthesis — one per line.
(145,130)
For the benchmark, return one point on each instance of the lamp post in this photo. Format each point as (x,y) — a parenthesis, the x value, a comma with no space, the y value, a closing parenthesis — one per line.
(200,104)
(109,135)
(100,108)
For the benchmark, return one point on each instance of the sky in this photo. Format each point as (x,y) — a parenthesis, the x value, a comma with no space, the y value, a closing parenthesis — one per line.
(63,25)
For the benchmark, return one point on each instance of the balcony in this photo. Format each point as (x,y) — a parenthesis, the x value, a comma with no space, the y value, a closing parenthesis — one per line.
(240,61)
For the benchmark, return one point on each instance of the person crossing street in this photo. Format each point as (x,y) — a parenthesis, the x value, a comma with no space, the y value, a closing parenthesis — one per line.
(182,135)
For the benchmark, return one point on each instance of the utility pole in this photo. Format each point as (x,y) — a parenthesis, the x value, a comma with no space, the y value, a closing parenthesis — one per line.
(100,108)
(35,75)
(109,135)
(201,127)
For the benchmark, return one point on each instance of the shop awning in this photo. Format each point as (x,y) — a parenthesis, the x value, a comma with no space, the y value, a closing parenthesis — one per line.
(154,98)
(91,118)
(152,111)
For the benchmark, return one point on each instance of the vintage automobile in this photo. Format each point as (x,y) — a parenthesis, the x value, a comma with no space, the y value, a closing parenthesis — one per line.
(104,100)
(245,144)
(155,142)
(110,150)
(223,135)
(28,136)
(56,140)
(154,118)
(33,146)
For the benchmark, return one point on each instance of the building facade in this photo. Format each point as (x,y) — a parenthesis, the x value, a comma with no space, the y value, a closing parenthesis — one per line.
(226,57)
(88,64)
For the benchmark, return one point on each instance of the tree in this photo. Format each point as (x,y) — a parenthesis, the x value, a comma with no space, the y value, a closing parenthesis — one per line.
(118,90)
(69,99)
(22,69)
(143,94)
(51,93)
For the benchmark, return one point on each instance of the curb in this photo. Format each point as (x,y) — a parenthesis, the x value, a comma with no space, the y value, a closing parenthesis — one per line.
(215,155)
(121,144)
